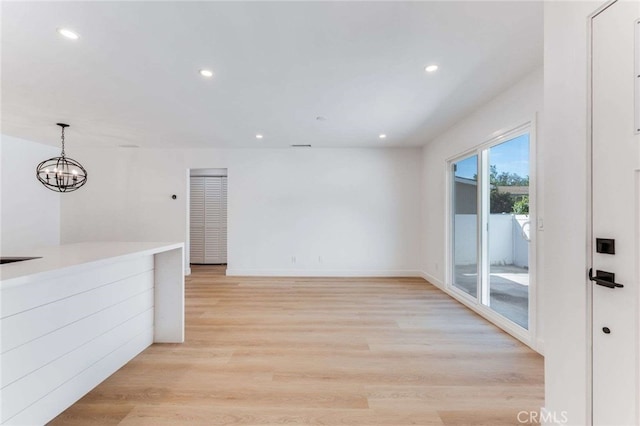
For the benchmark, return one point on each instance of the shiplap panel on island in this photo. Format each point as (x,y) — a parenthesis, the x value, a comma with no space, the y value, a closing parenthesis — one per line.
(76,315)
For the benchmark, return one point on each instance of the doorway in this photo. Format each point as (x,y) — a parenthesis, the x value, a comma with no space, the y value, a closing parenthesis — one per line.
(491,227)
(208,216)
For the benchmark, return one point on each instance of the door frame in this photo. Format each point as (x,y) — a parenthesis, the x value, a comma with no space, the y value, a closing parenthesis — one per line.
(530,336)
(187,197)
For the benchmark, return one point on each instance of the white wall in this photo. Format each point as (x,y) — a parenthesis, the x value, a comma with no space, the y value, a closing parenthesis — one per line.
(357,209)
(30,212)
(565,135)
(513,107)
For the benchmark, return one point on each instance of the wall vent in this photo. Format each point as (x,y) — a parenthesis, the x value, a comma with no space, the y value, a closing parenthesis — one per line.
(300,146)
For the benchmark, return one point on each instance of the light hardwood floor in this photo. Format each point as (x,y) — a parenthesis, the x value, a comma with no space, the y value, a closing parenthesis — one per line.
(374,351)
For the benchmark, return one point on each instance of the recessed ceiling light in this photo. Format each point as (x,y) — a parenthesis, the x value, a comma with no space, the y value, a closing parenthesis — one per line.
(206,73)
(66,32)
(431,68)
(382,136)
(259,136)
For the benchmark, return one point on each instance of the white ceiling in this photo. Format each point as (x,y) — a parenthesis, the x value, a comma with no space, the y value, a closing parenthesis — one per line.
(132,77)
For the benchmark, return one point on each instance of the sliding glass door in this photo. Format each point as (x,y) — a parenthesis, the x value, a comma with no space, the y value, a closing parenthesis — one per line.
(465,225)
(491,230)
(509,229)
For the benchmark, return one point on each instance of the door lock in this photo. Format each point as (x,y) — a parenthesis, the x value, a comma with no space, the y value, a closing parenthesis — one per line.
(604,278)
(606,245)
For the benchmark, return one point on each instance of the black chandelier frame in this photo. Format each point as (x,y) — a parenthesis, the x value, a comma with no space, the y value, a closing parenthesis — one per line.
(61,174)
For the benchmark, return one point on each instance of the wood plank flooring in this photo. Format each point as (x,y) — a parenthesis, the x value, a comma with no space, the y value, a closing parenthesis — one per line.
(321,351)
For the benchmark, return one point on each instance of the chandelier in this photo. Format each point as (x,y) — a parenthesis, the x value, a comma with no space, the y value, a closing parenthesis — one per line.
(61,174)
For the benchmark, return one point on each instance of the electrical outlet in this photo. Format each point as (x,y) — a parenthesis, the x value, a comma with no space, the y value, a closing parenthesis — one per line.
(293,259)
(540,224)
(319,259)
(437,266)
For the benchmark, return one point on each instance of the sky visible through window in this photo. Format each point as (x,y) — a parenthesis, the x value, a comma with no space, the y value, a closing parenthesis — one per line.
(511,156)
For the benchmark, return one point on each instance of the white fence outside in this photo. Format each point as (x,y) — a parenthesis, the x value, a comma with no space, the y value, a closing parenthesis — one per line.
(508,242)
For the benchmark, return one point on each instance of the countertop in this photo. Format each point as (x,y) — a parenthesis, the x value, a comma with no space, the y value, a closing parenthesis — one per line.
(58,260)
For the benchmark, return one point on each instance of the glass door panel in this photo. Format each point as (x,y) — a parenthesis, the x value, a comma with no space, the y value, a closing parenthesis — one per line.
(509,230)
(465,225)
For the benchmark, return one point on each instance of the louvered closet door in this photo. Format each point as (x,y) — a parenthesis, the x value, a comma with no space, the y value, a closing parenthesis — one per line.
(209,220)
(197,220)
(223,222)
(215,220)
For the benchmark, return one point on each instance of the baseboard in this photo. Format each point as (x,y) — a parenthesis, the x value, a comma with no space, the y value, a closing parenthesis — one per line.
(433,280)
(323,273)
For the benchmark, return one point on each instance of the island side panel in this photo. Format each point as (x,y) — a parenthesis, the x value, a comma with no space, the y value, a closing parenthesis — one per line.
(169,297)
(76,331)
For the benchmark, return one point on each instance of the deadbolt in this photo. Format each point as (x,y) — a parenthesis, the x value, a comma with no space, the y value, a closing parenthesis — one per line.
(606,245)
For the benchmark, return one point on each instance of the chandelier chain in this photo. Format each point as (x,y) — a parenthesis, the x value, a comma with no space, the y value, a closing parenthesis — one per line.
(62,154)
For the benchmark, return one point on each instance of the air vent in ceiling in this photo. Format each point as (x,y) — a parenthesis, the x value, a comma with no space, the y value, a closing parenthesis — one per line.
(300,146)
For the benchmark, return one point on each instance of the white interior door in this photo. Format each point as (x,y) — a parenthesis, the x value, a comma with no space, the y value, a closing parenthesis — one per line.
(615,214)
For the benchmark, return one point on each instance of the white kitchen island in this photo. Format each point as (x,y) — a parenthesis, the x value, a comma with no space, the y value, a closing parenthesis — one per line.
(71,318)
